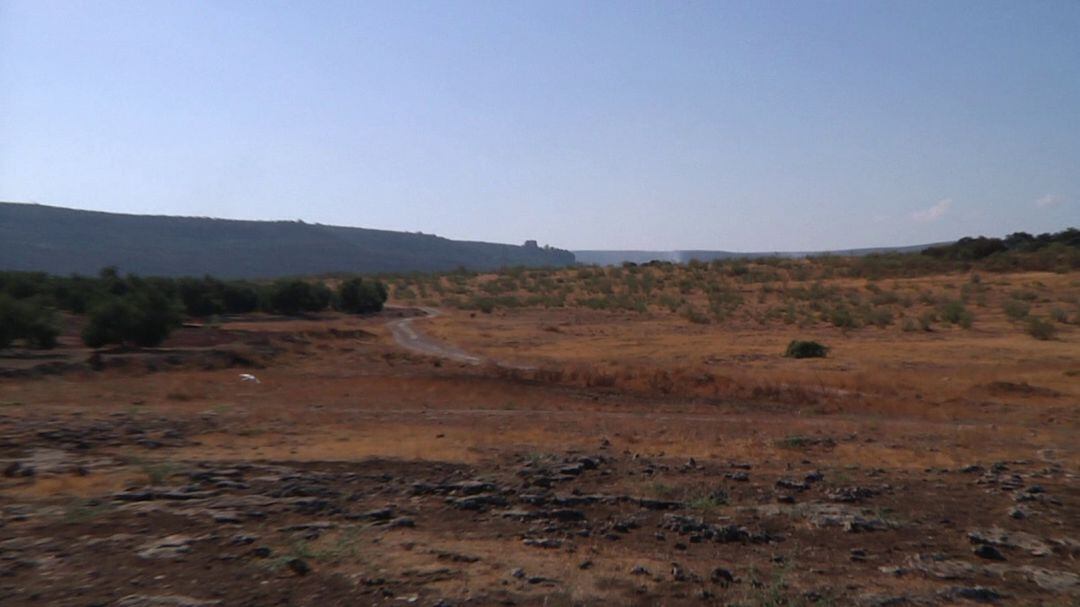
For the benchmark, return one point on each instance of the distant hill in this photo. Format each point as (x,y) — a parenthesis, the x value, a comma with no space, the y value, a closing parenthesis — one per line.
(607,258)
(62,241)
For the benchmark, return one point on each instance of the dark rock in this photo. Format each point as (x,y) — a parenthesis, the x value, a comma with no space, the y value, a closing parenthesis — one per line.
(477,502)
(546,542)
(850,495)
(989,552)
(379,514)
(298,566)
(655,504)
(979,594)
(721,576)
(794,485)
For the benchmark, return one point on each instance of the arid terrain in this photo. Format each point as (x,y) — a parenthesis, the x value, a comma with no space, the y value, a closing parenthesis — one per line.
(630,452)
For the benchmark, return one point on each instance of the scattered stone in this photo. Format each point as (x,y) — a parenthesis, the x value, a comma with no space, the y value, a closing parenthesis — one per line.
(939,566)
(172,600)
(1019,513)
(317,525)
(989,552)
(1056,581)
(546,542)
(298,566)
(721,576)
(477,502)
(996,536)
(979,594)
(379,514)
(639,570)
(241,539)
(455,557)
(226,517)
(654,504)
(172,546)
(793,485)
(850,495)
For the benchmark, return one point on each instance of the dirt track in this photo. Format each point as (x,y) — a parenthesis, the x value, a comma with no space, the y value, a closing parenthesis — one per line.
(416,341)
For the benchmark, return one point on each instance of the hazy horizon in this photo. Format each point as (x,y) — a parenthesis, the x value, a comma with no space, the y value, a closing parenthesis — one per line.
(622,126)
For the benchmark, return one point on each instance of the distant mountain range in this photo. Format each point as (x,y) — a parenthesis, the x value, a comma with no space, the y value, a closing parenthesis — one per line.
(607,258)
(62,241)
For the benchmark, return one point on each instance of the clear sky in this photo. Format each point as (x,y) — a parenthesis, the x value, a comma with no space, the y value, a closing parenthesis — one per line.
(758,125)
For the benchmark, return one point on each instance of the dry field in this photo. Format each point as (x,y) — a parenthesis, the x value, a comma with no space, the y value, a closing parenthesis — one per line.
(626,453)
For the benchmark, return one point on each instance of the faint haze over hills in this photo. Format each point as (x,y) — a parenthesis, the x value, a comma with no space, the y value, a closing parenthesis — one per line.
(62,241)
(638,125)
(605,257)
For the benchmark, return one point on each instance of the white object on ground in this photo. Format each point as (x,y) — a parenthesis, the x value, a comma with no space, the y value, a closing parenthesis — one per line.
(249,377)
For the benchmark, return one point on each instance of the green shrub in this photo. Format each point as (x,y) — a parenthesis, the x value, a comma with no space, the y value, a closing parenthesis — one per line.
(291,296)
(806,349)
(842,317)
(955,313)
(359,296)
(144,317)
(927,320)
(29,320)
(1040,328)
(694,315)
(1016,310)
(1060,315)
(881,317)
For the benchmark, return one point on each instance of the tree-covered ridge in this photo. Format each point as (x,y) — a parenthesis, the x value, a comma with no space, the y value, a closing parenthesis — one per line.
(981,247)
(65,241)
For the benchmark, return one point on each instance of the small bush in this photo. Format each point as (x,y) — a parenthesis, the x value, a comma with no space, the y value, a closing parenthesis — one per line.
(28,320)
(1040,328)
(954,312)
(1059,315)
(927,320)
(143,317)
(806,349)
(293,296)
(1016,310)
(358,296)
(842,317)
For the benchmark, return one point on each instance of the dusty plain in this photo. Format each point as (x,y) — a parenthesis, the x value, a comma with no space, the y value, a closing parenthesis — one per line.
(592,457)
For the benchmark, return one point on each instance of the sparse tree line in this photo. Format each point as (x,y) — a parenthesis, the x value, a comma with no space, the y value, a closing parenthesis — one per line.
(803,292)
(143,311)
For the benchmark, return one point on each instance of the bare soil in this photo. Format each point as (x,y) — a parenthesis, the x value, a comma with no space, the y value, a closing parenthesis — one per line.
(357,472)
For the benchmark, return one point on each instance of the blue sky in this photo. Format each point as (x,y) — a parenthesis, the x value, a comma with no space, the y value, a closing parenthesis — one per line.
(653,125)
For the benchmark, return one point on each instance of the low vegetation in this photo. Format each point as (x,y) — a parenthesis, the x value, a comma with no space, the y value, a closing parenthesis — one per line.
(143,311)
(806,349)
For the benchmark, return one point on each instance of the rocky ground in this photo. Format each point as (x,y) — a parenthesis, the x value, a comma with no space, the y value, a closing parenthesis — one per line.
(146,488)
(522,530)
